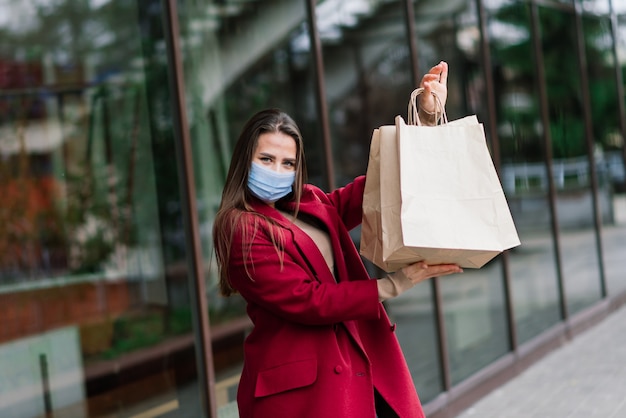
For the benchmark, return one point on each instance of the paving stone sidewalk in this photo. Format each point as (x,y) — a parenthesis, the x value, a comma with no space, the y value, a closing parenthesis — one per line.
(584,378)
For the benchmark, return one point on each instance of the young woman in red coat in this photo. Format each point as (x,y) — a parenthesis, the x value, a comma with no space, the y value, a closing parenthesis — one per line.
(322,344)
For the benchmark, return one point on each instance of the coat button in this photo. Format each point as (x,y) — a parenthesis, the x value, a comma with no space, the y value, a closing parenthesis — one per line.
(392,327)
(338,369)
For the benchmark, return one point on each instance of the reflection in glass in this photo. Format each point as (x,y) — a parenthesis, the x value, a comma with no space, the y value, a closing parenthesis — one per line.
(475,319)
(596,6)
(239,58)
(524,173)
(367,76)
(93,283)
(618,6)
(473,303)
(412,312)
(570,165)
(368,82)
(609,147)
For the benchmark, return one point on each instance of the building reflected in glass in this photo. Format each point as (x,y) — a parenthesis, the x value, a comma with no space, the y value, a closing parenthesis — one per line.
(109,303)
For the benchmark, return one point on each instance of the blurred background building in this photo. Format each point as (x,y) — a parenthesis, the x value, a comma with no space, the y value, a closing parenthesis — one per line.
(117,121)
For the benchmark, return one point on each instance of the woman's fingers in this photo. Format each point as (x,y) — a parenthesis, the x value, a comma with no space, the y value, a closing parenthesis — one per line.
(437,73)
(445,269)
(420,271)
(434,81)
(443,76)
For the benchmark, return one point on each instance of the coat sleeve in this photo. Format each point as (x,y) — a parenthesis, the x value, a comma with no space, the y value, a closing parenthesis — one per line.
(288,289)
(349,202)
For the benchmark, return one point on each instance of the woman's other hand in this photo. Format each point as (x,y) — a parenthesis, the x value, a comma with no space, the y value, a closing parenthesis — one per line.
(404,279)
(420,271)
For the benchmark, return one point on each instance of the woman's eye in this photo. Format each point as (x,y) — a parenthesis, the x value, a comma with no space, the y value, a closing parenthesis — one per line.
(290,164)
(266,159)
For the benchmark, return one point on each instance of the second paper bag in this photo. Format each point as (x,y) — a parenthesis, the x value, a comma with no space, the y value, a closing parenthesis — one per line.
(443,202)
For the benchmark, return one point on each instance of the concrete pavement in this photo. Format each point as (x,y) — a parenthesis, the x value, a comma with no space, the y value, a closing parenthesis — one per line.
(584,378)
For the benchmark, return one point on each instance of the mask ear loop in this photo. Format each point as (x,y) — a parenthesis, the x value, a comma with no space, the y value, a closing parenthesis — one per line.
(413,109)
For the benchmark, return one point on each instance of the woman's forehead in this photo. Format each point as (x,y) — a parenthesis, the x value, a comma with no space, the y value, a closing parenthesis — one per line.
(276,142)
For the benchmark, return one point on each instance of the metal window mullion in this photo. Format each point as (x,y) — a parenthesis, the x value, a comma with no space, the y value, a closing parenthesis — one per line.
(440,326)
(322,106)
(409,19)
(547,140)
(495,146)
(184,162)
(593,174)
(619,80)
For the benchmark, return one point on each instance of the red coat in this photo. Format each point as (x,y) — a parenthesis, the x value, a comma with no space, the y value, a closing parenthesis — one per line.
(318,347)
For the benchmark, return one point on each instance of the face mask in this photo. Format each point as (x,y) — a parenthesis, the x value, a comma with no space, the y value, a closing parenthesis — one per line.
(269,185)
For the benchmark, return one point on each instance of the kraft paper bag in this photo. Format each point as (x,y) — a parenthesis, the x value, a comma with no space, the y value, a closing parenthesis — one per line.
(440,197)
(371,232)
(371,242)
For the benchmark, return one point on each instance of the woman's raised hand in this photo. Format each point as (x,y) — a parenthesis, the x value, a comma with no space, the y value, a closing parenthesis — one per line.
(434,81)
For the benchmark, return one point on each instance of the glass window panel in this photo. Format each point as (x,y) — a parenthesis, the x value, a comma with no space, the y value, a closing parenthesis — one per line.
(570,164)
(609,142)
(473,303)
(416,330)
(618,6)
(94,290)
(475,320)
(524,173)
(367,75)
(368,82)
(239,58)
(595,6)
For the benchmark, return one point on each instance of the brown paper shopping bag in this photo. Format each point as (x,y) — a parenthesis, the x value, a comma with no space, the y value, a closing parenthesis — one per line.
(441,199)
(371,243)
(371,239)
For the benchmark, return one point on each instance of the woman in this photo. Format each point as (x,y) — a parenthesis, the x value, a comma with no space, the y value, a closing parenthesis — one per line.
(322,344)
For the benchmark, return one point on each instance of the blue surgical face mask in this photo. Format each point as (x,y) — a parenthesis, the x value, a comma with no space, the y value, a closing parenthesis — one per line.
(268,185)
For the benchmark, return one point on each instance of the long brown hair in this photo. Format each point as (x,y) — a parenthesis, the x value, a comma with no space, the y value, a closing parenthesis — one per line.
(236,196)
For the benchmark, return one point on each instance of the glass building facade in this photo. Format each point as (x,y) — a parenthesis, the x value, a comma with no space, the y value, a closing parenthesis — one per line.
(117,122)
